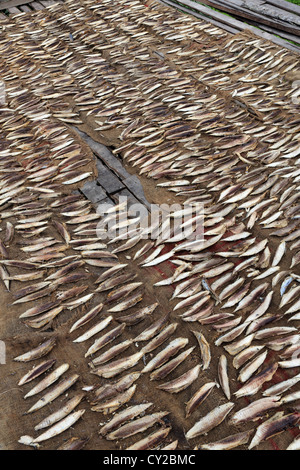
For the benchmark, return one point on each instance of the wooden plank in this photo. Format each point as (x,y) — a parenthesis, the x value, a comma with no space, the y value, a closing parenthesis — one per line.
(228,20)
(13,10)
(135,187)
(36,6)
(131,199)
(107,179)
(224,26)
(25,8)
(289,37)
(287,6)
(47,3)
(94,192)
(233,8)
(104,154)
(12,3)
(264,10)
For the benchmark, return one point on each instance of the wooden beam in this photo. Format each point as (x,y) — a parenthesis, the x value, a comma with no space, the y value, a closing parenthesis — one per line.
(287,6)
(36,6)
(233,8)
(226,27)
(228,20)
(287,36)
(12,3)
(47,3)
(13,10)
(207,15)
(25,8)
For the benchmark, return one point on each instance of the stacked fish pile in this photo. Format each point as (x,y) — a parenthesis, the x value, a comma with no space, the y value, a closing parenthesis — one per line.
(210,118)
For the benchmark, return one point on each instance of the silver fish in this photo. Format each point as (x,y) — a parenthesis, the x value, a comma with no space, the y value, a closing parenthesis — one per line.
(136,426)
(210,421)
(182,382)
(228,443)
(199,397)
(223,376)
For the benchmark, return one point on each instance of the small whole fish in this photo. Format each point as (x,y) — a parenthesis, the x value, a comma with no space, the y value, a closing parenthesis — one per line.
(228,443)
(127,303)
(275,425)
(182,382)
(94,330)
(255,383)
(123,416)
(210,421)
(38,352)
(122,291)
(255,410)
(105,339)
(61,413)
(160,338)
(116,402)
(59,428)
(223,375)
(204,349)
(136,426)
(75,443)
(152,440)
(48,380)
(37,371)
(111,389)
(167,368)
(116,367)
(162,357)
(54,393)
(112,352)
(90,315)
(281,387)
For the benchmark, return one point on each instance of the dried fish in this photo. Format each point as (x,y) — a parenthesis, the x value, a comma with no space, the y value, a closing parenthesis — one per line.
(136,426)
(275,425)
(55,392)
(37,371)
(255,410)
(38,352)
(255,383)
(60,427)
(182,382)
(204,349)
(116,402)
(199,397)
(111,389)
(105,339)
(228,443)
(223,376)
(210,421)
(48,380)
(150,441)
(162,357)
(116,367)
(61,413)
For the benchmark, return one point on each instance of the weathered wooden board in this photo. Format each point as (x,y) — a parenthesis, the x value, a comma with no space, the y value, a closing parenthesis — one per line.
(36,6)
(12,3)
(228,20)
(288,6)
